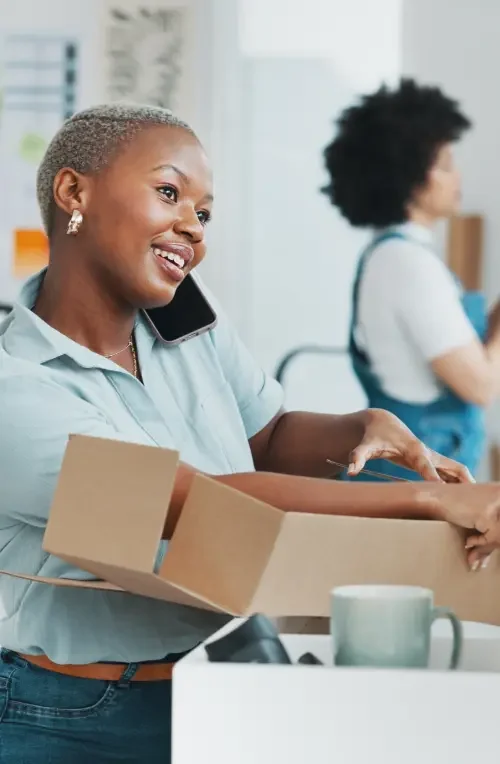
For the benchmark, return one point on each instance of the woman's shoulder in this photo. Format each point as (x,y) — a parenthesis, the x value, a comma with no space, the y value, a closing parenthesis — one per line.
(19,372)
(406,258)
(33,396)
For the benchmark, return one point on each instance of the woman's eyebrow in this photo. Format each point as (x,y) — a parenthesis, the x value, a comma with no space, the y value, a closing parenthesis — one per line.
(174,168)
(185,178)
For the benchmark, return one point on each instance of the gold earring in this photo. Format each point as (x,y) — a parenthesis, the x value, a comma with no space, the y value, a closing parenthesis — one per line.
(74,223)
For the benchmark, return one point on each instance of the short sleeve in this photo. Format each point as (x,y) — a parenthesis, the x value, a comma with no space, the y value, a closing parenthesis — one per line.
(259,397)
(428,304)
(37,417)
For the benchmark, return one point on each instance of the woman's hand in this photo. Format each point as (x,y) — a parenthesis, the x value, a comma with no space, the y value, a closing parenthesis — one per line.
(386,437)
(475,508)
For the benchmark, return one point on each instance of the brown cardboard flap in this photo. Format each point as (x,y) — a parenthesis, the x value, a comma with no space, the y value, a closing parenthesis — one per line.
(234,554)
(111,503)
(222,544)
(318,553)
(72,582)
(145,584)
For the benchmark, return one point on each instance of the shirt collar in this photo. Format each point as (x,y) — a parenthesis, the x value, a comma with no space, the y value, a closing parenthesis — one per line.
(420,233)
(26,335)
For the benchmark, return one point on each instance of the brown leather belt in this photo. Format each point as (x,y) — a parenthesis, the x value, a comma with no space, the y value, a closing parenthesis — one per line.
(105,672)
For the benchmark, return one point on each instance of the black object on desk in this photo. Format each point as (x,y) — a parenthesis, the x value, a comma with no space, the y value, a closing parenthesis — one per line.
(308,659)
(255,641)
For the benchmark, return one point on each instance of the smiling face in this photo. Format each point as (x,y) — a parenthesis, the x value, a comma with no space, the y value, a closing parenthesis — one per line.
(144,214)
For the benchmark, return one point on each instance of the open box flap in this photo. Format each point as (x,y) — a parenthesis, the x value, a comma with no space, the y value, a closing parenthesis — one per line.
(317,553)
(146,584)
(107,518)
(75,583)
(111,503)
(222,544)
(237,555)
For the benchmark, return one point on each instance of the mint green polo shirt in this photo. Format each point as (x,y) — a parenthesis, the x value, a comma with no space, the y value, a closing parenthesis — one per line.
(205,398)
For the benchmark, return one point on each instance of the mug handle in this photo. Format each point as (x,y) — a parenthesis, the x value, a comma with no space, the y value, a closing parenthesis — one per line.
(456,625)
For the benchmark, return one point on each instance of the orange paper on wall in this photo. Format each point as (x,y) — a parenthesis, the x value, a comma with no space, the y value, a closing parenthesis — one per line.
(31,252)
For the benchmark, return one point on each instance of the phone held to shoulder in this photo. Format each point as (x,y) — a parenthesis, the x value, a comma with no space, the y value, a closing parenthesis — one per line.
(187,316)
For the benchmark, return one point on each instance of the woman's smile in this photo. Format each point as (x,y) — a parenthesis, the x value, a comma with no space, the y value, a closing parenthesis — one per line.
(174,259)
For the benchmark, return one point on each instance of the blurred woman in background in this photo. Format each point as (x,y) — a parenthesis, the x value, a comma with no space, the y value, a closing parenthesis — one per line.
(421,347)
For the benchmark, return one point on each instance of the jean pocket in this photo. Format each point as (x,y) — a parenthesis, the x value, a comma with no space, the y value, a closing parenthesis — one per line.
(4,699)
(37,694)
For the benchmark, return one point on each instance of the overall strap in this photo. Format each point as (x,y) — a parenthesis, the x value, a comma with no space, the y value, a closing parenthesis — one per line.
(359,272)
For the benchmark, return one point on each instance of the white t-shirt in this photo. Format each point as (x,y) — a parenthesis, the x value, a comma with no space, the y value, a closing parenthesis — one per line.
(409,313)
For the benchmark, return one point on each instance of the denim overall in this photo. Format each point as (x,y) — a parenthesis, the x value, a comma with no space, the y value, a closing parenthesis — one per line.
(448,425)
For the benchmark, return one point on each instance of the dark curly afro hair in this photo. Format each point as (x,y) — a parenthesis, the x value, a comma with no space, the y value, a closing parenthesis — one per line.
(384,149)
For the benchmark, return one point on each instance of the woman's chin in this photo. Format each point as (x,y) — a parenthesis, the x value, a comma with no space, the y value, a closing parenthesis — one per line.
(157,296)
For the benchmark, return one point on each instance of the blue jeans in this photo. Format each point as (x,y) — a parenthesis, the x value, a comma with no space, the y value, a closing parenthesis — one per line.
(49,718)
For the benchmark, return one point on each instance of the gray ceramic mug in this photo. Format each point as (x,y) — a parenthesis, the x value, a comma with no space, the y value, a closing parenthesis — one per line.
(387,626)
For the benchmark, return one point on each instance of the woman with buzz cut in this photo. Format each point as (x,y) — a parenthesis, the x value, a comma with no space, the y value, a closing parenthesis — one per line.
(119,339)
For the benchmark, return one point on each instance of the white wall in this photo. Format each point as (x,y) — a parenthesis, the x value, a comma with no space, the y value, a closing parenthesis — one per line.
(304,64)
(454,43)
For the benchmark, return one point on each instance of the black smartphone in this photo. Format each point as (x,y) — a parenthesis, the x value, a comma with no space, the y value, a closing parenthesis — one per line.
(188,315)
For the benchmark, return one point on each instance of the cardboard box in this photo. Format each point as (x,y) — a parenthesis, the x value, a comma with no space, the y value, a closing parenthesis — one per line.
(465,250)
(231,553)
(249,713)
(495,462)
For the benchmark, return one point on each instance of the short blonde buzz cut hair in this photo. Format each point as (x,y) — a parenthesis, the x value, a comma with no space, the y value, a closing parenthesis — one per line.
(88,141)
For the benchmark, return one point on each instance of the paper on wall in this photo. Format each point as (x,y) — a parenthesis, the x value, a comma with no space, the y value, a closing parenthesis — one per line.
(145,53)
(38,91)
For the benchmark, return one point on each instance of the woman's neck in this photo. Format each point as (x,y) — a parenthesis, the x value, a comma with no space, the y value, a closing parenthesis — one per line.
(420,217)
(71,302)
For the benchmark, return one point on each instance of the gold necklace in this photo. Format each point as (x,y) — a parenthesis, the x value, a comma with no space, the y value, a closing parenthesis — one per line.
(130,344)
(127,346)
(134,358)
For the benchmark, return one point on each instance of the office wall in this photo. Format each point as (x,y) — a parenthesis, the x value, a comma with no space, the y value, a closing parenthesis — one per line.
(303,64)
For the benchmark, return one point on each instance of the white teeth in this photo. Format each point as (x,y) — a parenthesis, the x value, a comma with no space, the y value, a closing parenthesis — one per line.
(176,259)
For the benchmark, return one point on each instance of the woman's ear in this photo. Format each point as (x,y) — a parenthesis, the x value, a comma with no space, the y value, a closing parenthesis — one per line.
(71,191)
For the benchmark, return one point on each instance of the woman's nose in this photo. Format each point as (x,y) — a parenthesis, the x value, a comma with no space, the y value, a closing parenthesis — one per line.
(189,224)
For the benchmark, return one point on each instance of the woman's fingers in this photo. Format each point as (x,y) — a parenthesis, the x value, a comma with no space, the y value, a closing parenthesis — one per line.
(479,550)
(477,541)
(478,560)
(419,459)
(358,458)
(456,473)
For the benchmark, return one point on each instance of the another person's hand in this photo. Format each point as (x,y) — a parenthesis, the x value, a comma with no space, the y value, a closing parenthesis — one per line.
(386,437)
(477,509)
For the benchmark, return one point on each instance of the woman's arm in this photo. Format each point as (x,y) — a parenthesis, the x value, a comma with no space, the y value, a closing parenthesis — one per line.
(473,370)
(300,442)
(424,299)
(293,493)
(475,507)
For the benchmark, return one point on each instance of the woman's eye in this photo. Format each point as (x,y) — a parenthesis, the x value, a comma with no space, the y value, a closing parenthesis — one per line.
(204,216)
(169,192)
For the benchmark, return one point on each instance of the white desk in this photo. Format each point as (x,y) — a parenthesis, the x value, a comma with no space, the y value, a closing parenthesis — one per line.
(262,714)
